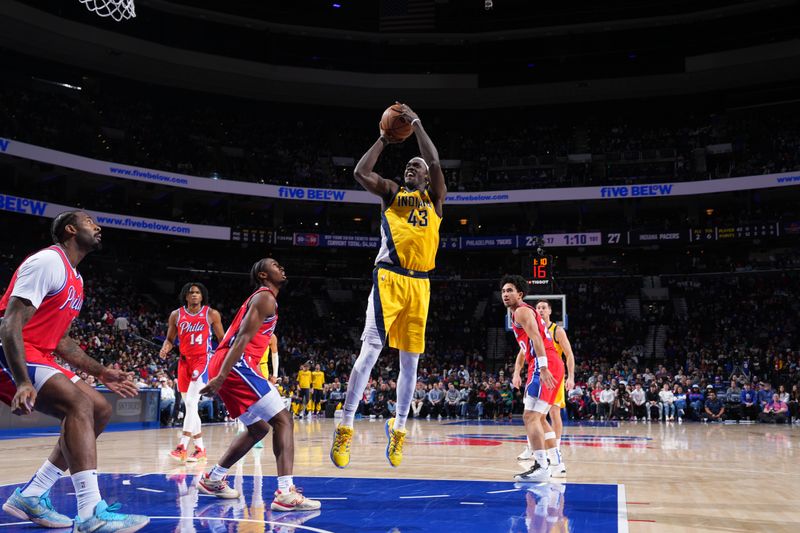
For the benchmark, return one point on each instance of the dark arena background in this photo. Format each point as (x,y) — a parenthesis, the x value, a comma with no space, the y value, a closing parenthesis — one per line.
(637,162)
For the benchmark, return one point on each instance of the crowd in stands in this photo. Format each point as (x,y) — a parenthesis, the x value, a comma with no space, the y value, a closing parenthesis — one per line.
(303,146)
(732,356)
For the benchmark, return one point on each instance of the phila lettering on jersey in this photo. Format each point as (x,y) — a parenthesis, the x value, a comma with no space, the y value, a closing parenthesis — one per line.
(194,332)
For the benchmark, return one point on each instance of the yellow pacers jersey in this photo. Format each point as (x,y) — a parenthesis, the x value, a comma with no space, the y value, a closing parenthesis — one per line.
(317,380)
(263,364)
(560,397)
(410,231)
(304,379)
(552,329)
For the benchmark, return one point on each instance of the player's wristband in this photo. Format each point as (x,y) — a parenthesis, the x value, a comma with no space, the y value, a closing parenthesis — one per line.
(415,120)
(542,362)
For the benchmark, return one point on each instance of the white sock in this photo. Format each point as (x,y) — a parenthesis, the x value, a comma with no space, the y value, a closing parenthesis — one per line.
(359,377)
(185,441)
(43,480)
(198,443)
(217,473)
(406,382)
(87,492)
(285,483)
(541,457)
(554,456)
(558,443)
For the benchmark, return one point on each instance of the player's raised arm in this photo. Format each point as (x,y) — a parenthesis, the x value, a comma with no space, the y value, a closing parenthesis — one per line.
(172,332)
(438,187)
(18,313)
(370,180)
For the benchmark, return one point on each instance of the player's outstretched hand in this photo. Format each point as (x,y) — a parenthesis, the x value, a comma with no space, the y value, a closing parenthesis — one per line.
(163,352)
(212,387)
(24,399)
(408,114)
(119,382)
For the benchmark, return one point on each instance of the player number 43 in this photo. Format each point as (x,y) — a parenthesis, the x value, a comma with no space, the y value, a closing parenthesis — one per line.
(421,220)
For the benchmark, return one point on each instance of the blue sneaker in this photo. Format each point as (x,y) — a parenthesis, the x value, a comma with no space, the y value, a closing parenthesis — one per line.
(37,509)
(106,519)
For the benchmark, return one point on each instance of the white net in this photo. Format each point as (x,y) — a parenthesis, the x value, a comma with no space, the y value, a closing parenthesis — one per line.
(116,9)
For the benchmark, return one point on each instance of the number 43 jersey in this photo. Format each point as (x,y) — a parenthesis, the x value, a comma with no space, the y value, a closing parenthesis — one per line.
(194,332)
(410,231)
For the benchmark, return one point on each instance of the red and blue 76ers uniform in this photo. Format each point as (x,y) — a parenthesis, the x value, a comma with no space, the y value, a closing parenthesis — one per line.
(194,345)
(52,318)
(533,387)
(245,385)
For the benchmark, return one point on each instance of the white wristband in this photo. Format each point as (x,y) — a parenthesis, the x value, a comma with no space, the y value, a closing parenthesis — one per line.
(415,120)
(541,362)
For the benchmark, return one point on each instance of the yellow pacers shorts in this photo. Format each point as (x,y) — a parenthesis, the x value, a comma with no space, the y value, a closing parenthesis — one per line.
(397,308)
(560,400)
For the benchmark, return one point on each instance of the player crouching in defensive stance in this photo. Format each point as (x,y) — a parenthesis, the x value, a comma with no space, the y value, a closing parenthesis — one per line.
(249,396)
(545,373)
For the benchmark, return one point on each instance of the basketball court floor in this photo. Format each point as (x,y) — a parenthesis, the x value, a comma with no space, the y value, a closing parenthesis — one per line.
(456,476)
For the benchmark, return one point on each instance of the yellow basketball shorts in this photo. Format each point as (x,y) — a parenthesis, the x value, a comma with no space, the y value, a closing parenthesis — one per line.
(397,309)
(560,400)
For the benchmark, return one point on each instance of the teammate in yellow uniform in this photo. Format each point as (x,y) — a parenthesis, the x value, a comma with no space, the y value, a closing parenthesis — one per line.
(564,348)
(304,384)
(397,309)
(317,384)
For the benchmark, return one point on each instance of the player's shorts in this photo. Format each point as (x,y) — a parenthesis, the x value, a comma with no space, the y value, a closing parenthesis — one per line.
(397,308)
(561,395)
(536,390)
(191,368)
(40,369)
(246,393)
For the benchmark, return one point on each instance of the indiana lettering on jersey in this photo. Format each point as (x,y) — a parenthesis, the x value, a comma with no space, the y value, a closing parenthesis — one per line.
(188,327)
(412,201)
(74,301)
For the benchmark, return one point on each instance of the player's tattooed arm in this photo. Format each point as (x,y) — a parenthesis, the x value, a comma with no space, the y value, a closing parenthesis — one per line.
(68,350)
(18,313)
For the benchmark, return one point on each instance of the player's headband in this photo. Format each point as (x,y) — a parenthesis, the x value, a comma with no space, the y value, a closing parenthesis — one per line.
(427,168)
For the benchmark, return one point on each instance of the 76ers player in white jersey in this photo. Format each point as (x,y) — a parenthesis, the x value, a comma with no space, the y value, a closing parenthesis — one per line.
(249,396)
(43,297)
(192,323)
(545,373)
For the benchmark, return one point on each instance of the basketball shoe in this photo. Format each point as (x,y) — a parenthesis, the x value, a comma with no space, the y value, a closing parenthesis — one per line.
(219,488)
(106,519)
(526,455)
(536,474)
(37,509)
(394,448)
(340,448)
(199,454)
(179,453)
(293,500)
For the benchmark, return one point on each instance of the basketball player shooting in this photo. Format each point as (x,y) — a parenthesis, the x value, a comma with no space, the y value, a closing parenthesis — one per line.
(397,309)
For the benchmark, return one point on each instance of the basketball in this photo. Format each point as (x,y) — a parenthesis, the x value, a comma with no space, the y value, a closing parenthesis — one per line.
(394,125)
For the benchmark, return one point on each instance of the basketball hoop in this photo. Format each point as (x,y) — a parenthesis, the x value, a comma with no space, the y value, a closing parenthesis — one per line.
(116,9)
